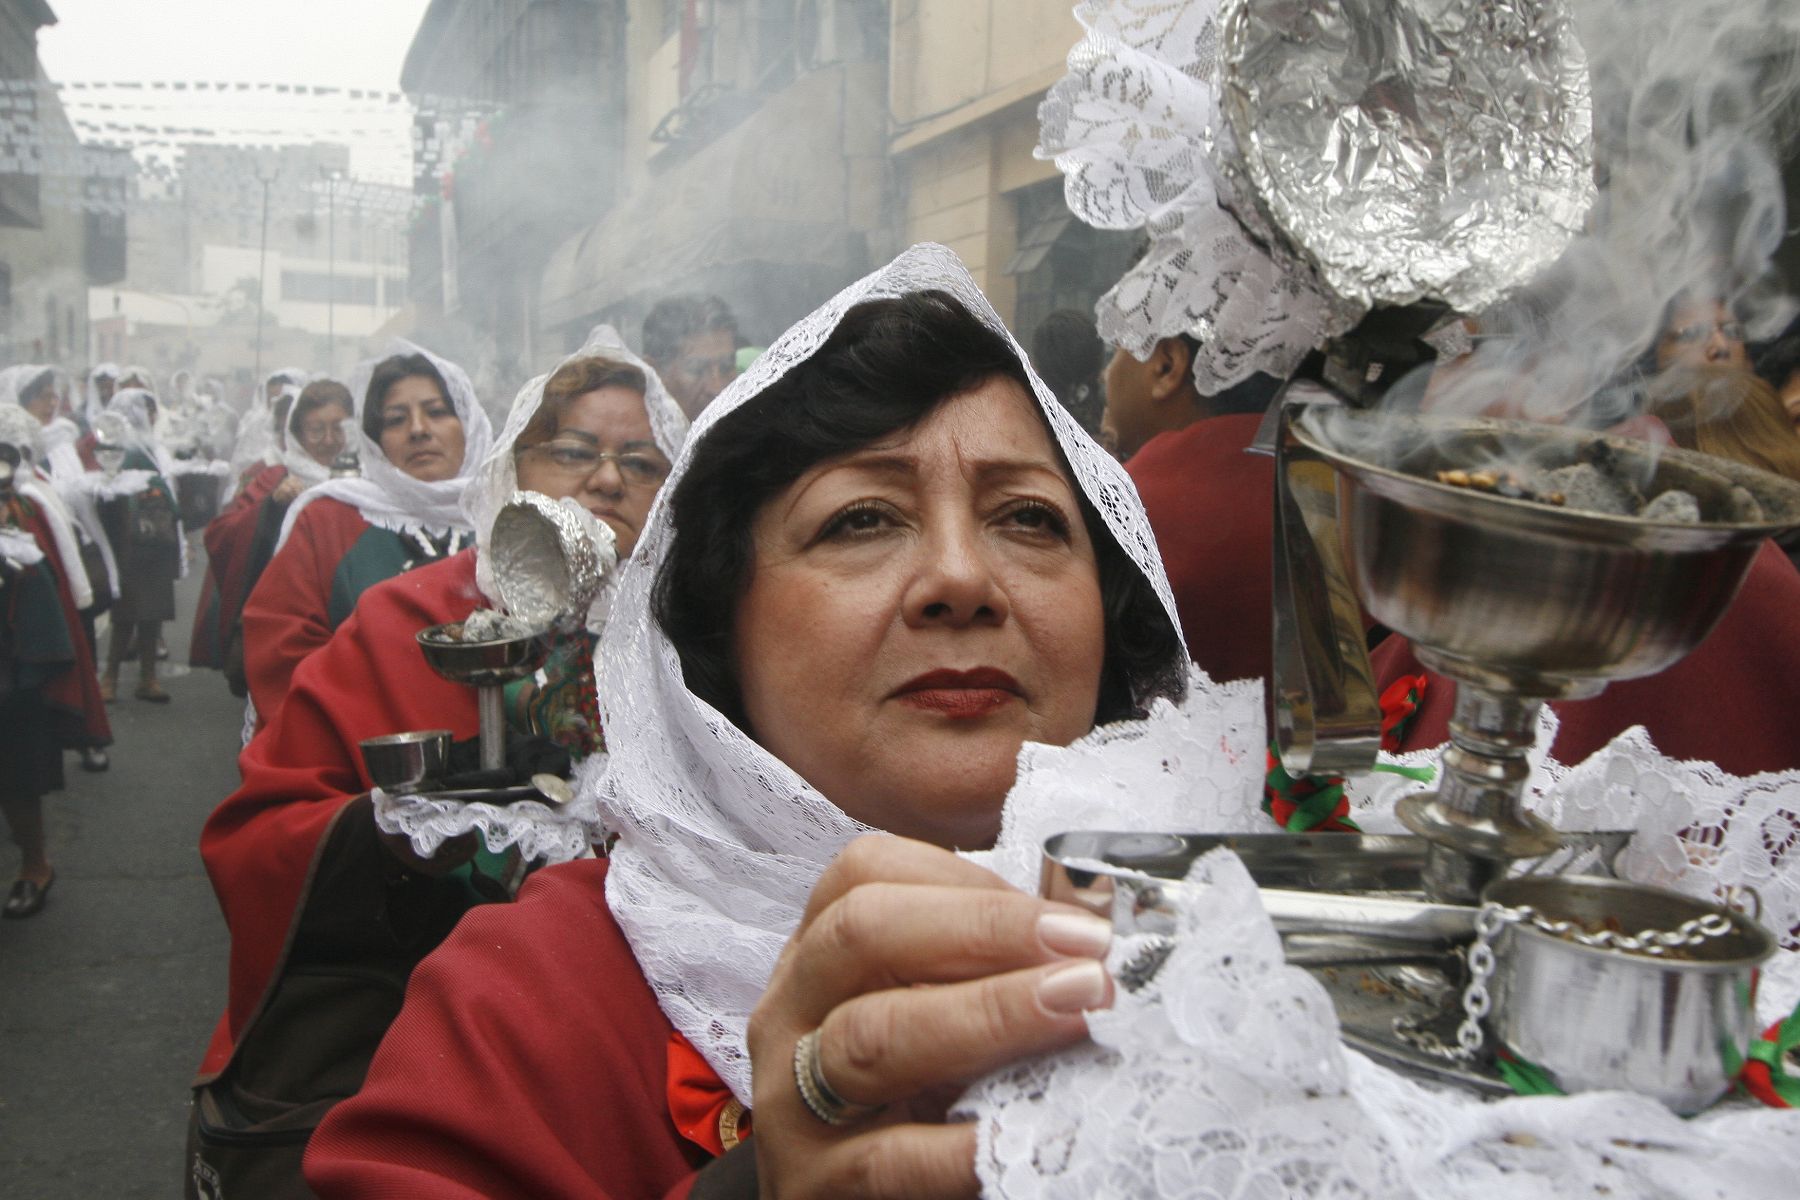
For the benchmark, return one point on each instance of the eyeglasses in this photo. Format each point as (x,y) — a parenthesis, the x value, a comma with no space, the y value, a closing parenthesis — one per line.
(576,461)
(1700,331)
(319,433)
(724,366)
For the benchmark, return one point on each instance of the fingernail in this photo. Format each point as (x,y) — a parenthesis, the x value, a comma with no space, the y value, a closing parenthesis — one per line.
(1075,988)
(1075,934)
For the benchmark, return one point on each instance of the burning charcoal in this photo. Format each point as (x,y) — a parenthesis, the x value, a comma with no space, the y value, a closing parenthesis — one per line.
(1675,507)
(1744,506)
(486,625)
(1587,487)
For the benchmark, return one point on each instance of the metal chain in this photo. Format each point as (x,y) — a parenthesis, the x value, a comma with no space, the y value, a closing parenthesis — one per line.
(1491,918)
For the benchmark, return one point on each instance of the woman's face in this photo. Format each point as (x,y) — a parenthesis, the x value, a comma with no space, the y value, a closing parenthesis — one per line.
(1700,335)
(917,610)
(604,456)
(43,404)
(420,431)
(321,432)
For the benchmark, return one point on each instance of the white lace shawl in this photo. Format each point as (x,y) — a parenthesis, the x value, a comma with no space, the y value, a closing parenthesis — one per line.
(388,497)
(91,405)
(497,477)
(1136,130)
(255,442)
(301,465)
(136,405)
(720,843)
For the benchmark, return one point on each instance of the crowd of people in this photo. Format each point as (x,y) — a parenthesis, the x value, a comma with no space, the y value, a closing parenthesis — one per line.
(854,579)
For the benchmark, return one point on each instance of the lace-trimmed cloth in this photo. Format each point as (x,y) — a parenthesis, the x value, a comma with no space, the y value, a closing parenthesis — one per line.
(720,843)
(1225,1076)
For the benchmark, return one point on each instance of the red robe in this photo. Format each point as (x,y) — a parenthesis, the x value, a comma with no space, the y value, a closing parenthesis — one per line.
(1732,701)
(530,1061)
(285,616)
(73,697)
(369,680)
(228,539)
(1209,504)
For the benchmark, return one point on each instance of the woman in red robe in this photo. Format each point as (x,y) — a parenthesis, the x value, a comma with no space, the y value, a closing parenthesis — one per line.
(228,537)
(422,435)
(878,571)
(40,650)
(293,855)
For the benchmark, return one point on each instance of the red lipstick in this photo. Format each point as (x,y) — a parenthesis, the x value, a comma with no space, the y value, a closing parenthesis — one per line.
(960,695)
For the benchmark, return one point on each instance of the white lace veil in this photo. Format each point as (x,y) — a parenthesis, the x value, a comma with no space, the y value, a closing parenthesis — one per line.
(303,466)
(255,429)
(720,843)
(136,406)
(388,497)
(91,407)
(498,477)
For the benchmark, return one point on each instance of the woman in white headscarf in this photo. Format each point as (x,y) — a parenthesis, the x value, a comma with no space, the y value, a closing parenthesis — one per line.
(421,435)
(102,381)
(140,511)
(33,389)
(256,446)
(886,559)
(241,540)
(598,432)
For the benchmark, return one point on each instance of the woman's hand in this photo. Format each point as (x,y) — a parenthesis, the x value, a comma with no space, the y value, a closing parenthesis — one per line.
(922,972)
(288,490)
(453,853)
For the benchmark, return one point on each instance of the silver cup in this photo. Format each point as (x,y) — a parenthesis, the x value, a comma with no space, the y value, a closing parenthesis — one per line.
(1595,1018)
(402,762)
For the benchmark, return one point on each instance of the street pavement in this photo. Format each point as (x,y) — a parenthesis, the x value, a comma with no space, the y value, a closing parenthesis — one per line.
(108,995)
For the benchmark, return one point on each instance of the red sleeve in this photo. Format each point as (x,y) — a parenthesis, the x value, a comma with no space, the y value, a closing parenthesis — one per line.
(285,615)
(529,1061)
(1730,702)
(370,679)
(1209,505)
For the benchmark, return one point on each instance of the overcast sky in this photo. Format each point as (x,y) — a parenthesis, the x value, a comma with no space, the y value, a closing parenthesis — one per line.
(341,43)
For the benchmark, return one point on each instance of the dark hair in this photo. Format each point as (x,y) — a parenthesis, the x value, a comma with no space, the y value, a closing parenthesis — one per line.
(284,403)
(387,373)
(1779,361)
(318,394)
(573,379)
(678,318)
(1069,356)
(885,368)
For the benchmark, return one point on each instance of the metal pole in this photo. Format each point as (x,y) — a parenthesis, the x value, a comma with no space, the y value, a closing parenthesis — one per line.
(331,269)
(262,281)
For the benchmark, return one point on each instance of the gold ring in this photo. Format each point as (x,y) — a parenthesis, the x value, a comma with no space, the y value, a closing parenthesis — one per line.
(819,1097)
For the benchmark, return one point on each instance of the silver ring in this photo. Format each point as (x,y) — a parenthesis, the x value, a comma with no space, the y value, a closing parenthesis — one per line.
(818,1096)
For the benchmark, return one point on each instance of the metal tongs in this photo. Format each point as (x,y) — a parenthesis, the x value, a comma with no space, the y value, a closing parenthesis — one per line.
(1338,899)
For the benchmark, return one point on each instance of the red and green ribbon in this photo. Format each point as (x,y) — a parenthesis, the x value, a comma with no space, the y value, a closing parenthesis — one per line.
(1765,1073)
(1317,803)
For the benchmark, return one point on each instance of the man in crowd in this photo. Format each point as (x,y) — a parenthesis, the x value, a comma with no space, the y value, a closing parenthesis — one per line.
(1208,499)
(692,341)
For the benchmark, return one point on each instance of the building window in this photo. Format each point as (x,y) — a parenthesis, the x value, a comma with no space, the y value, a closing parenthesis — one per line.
(316,287)
(1060,262)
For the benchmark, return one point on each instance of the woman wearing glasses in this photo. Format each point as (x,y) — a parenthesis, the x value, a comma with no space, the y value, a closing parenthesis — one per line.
(422,434)
(301,872)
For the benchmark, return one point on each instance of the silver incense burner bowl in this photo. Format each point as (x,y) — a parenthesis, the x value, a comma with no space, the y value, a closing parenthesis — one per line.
(1518,601)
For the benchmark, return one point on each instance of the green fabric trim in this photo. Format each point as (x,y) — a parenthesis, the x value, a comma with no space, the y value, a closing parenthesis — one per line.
(378,555)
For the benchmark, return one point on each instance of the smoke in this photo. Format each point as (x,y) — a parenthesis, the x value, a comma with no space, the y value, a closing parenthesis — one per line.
(1691,98)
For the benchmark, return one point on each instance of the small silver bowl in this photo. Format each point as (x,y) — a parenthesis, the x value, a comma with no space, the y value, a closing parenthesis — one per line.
(1675,1028)
(481,664)
(401,762)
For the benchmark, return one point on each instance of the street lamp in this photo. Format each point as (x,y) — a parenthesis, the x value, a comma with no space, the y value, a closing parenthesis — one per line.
(331,177)
(262,266)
